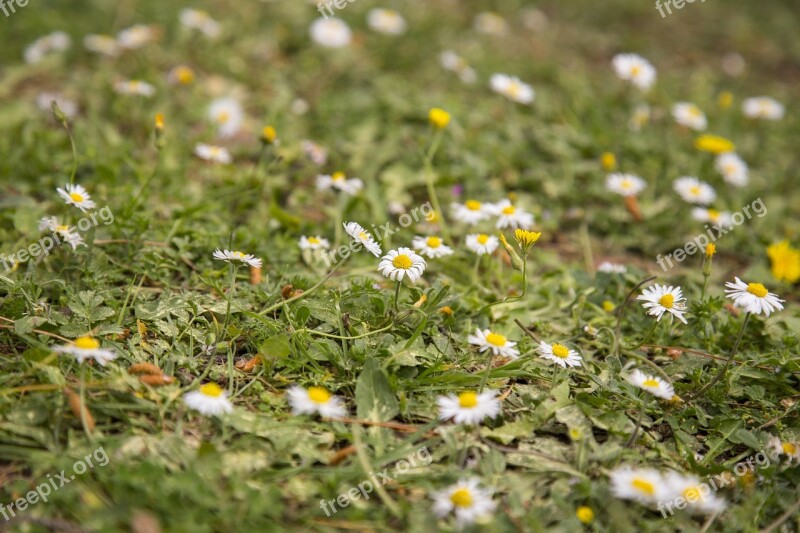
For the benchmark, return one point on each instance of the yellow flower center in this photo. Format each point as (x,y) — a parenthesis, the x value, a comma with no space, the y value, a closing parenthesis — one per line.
(652,383)
(695,112)
(514,89)
(319,395)
(626,184)
(434,242)
(473,205)
(729,168)
(75,197)
(461,498)
(468,400)
(363,236)
(223,117)
(695,190)
(693,494)
(185,75)
(713,214)
(62,229)
(668,300)
(559,350)
(757,289)
(338,176)
(211,389)
(238,255)
(496,339)
(643,486)
(635,70)
(509,210)
(86,343)
(789,448)
(313,240)
(483,238)
(402,261)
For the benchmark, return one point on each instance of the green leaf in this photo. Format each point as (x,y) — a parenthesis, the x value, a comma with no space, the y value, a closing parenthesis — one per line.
(375,399)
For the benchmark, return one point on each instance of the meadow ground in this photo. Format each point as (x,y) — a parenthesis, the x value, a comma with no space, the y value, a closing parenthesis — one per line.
(195,337)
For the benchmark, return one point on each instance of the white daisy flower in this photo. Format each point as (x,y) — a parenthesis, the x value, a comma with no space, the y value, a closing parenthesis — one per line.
(612,268)
(314,243)
(689,115)
(776,448)
(77,196)
(339,182)
(753,297)
(401,263)
(643,485)
(482,244)
(102,44)
(315,400)
(763,107)
(201,21)
(216,154)
(228,256)
(559,354)
(468,408)
(694,191)
(70,235)
(490,23)
(511,216)
(733,169)
(54,42)
(499,345)
(227,115)
(660,299)
(45,100)
(361,235)
(135,36)
(316,153)
(466,499)
(331,33)
(455,63)
(180,75)
(134,88)
(696,492)
(512,88)
(209,400)
(635,69)
(87,347)
(625,184)
(722,219)
(386,21)
(471,211)
(652,384)
(431,246)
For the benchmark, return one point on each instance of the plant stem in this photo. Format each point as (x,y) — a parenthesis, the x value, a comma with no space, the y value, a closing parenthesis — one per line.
(429,177)
(397,294)
(724,369)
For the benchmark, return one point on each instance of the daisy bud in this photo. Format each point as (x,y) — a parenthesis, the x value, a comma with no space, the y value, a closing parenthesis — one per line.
(58,114)
(516,261)
(439,118)
(269,135)
(608,161)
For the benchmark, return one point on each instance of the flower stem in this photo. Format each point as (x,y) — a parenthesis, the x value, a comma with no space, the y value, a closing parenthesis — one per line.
(397,294)
(429,177)
(724,369)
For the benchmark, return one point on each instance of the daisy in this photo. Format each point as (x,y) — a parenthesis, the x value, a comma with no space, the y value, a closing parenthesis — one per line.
(180,75)
(455,63)
(612,268)
(490,24)
(466,499)
(694,191)
(314,243)
(77,196)
(660,299)
(431,246)
(400,263)
(468,407)
(512,88)
(228,256)
(511,217)
(87,347)
(643,485)
(753,297)
(135,36)
(488,340)
(209,400)
(689,115)
(227,114)
(763,107)
(696,493)
(625,184)
(652,384)
(45,103)
(482,244)
(102,44)
(54,42)
(201,21)
(330,33)
(635,69)
(733,169)
(70,235)
(386,21)
(134,88)
(559,354)
(361,235)
(216,154)
(775,448)
(339,182)
(315,400)
(722,219)
(316,153)
(471,211)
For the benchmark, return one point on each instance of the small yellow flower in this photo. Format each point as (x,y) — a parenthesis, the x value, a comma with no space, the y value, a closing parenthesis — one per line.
(526,238)
(711,249)
(608,306)
(714,144)
(269,135)
(182,75)
(446,310)
(785,261)
(725,99)
(585,514)
(439,118)
(608,161)
(159,121)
